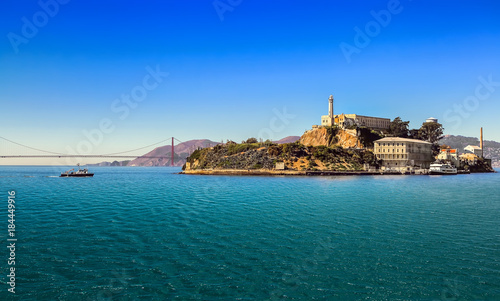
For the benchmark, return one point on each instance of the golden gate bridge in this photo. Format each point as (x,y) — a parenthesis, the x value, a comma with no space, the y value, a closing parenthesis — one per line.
(7,147)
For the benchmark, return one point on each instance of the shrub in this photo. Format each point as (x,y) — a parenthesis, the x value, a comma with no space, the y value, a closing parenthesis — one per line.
(257,166)
(239,148)
(369,157)
(274,150)
(252,140)
(367,136)
(194,156)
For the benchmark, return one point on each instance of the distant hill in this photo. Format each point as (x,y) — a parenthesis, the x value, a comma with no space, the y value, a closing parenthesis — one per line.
(289,139)
(181,152)
(114,163)
(491,148)
(184,149)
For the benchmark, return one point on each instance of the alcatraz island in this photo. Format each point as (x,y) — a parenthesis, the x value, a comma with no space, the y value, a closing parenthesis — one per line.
(343,144)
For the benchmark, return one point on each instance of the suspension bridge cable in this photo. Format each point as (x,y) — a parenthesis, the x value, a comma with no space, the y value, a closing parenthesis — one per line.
(54,153)
(133,150)
(40,150)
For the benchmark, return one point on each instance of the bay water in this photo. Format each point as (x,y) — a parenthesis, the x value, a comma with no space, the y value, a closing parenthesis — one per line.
(147,233)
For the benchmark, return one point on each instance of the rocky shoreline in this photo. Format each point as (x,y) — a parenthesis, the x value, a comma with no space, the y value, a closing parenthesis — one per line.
(267,172)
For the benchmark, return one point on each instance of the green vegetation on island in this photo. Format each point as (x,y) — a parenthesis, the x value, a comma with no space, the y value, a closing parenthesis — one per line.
(293,156)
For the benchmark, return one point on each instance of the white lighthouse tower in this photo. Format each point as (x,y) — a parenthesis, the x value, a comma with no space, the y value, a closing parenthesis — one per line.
(328,120)
(330,107)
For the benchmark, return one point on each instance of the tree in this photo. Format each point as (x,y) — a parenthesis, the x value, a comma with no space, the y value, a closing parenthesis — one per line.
(399,128)
(413,134)
(431,131)
(252,140)
(268,142)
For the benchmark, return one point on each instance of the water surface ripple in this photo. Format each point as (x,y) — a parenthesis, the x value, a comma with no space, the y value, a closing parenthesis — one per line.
(149,233)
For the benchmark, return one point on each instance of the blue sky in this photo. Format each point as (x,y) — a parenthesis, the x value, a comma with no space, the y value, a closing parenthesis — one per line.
(238,69)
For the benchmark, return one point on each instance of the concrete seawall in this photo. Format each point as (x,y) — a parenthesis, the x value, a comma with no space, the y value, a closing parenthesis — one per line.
(265,172)
(239,172)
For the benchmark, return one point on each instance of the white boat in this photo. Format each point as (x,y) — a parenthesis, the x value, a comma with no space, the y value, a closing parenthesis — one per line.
(442,169)
(79,173)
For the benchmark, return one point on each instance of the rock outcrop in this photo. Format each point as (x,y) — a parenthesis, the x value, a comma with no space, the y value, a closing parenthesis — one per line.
(329,136)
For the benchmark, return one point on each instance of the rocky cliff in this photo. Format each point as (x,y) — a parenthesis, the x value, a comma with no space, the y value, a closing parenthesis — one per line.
(329,136)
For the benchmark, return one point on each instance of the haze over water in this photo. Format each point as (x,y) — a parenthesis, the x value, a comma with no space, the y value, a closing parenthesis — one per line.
(149,233)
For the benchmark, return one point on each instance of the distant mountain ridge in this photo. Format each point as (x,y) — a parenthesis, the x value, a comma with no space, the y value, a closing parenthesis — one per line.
(184,149)
(289,139)
(491,148)
(181,152)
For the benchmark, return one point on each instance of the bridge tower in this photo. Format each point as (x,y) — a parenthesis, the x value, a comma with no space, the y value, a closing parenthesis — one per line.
(172,152)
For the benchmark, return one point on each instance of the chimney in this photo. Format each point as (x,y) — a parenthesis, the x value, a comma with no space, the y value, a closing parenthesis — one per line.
(481,141)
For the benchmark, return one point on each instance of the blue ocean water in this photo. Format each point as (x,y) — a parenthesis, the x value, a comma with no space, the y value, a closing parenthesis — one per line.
(152,234)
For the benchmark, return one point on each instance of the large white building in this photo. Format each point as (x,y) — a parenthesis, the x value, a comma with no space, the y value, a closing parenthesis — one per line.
(450,155)
(402,153)
(476,150)
(347,120)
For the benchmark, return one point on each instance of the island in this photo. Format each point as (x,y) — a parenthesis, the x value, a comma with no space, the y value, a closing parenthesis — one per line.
(344,144)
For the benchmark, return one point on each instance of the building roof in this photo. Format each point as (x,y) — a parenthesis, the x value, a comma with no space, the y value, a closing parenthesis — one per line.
(473,146)
(357,115)
(399,139)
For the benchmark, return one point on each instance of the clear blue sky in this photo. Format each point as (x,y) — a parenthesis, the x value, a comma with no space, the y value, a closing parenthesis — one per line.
(233,64)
